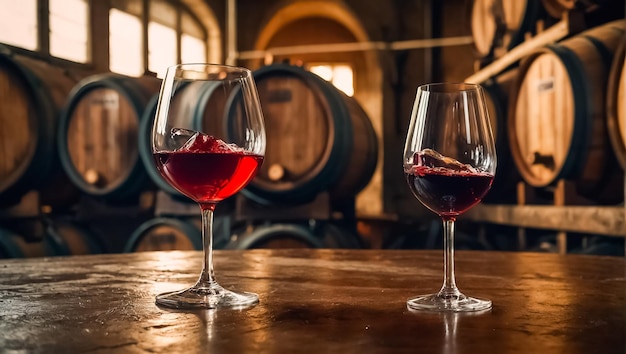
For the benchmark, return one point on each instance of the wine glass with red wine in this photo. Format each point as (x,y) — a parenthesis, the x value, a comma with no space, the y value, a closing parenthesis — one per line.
(449,164)
(208,141)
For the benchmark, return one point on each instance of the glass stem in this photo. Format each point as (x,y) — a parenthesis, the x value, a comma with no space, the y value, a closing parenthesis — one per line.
(207,278)
(449,288)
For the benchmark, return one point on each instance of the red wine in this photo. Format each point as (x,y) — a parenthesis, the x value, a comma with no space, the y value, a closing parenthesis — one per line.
(208,177)
(447,192)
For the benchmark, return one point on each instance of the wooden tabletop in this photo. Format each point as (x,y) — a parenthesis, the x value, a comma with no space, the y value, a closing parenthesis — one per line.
(318,301)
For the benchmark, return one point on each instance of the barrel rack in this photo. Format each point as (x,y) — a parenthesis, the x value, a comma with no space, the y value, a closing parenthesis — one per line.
(563,214)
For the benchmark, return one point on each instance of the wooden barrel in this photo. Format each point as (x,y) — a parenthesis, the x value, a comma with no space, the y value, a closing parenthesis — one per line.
(499,25)
(73,238)
(145,148)
(98,131)
(276,236)
(318,139)
(14,245)
(164,234)
(497,91)
(616,104)
(207,102)
(341,235)
(557,125)
(172,233)
(60,238)
(294,235)
(32,93)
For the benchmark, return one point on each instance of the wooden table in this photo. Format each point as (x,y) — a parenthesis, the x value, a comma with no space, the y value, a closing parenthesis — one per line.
(324,301)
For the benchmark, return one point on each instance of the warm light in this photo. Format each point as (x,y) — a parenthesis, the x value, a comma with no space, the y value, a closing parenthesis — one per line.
(193,49)
(343,79)
(18,23)
(341,76)
(162,48)
(323,71)
(68,29)
(125,41)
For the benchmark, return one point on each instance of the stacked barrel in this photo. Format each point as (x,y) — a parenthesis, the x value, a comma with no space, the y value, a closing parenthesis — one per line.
(67,137)
(558,119)
(558,112)
(77,173)
(321,151)
(32,181)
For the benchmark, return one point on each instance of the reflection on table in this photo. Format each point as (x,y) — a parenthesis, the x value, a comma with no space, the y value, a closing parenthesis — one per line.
(331,301)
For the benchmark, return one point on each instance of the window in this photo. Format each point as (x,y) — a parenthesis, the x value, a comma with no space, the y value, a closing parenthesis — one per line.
(162,48)
(162,38)
(143,35)
(125,43)
(69,29)
(193,41)
(340,75)
(193,49)
(18,23)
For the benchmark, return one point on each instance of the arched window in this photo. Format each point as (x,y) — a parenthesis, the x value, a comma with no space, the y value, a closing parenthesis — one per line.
(173,35)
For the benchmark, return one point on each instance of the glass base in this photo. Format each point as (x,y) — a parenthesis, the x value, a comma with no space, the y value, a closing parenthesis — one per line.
(207,297)
(447,303)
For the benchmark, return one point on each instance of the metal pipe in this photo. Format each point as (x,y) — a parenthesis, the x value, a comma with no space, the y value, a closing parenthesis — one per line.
(356,46)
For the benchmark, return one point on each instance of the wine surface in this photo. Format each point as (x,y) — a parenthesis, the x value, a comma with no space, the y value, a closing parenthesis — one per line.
(447,192)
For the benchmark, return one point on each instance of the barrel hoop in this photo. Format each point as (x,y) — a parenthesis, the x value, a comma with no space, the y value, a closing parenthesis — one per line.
(605,53)
(203,101)
(371,168)
(7,244)
(51,246)
(500,100)
(528,22)
(144,144)
(46,112)
(617,140)
(63,248)
(344,237)
(194,235)
(340,140)
(263,233)
(128,186)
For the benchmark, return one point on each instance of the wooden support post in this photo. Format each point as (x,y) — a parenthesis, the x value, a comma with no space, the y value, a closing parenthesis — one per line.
(521,200)
(559,200)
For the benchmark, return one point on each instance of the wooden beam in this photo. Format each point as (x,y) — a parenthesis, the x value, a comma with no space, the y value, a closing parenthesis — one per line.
(600,220)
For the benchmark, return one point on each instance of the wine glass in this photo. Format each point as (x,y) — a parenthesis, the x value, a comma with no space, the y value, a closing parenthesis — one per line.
(449,164)
(208,141)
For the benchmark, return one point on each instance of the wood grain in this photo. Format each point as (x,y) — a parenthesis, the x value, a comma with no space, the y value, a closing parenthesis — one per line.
(558,119)
(17,127)
(607,220)
(298,125)
(102,137)
(328,301)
